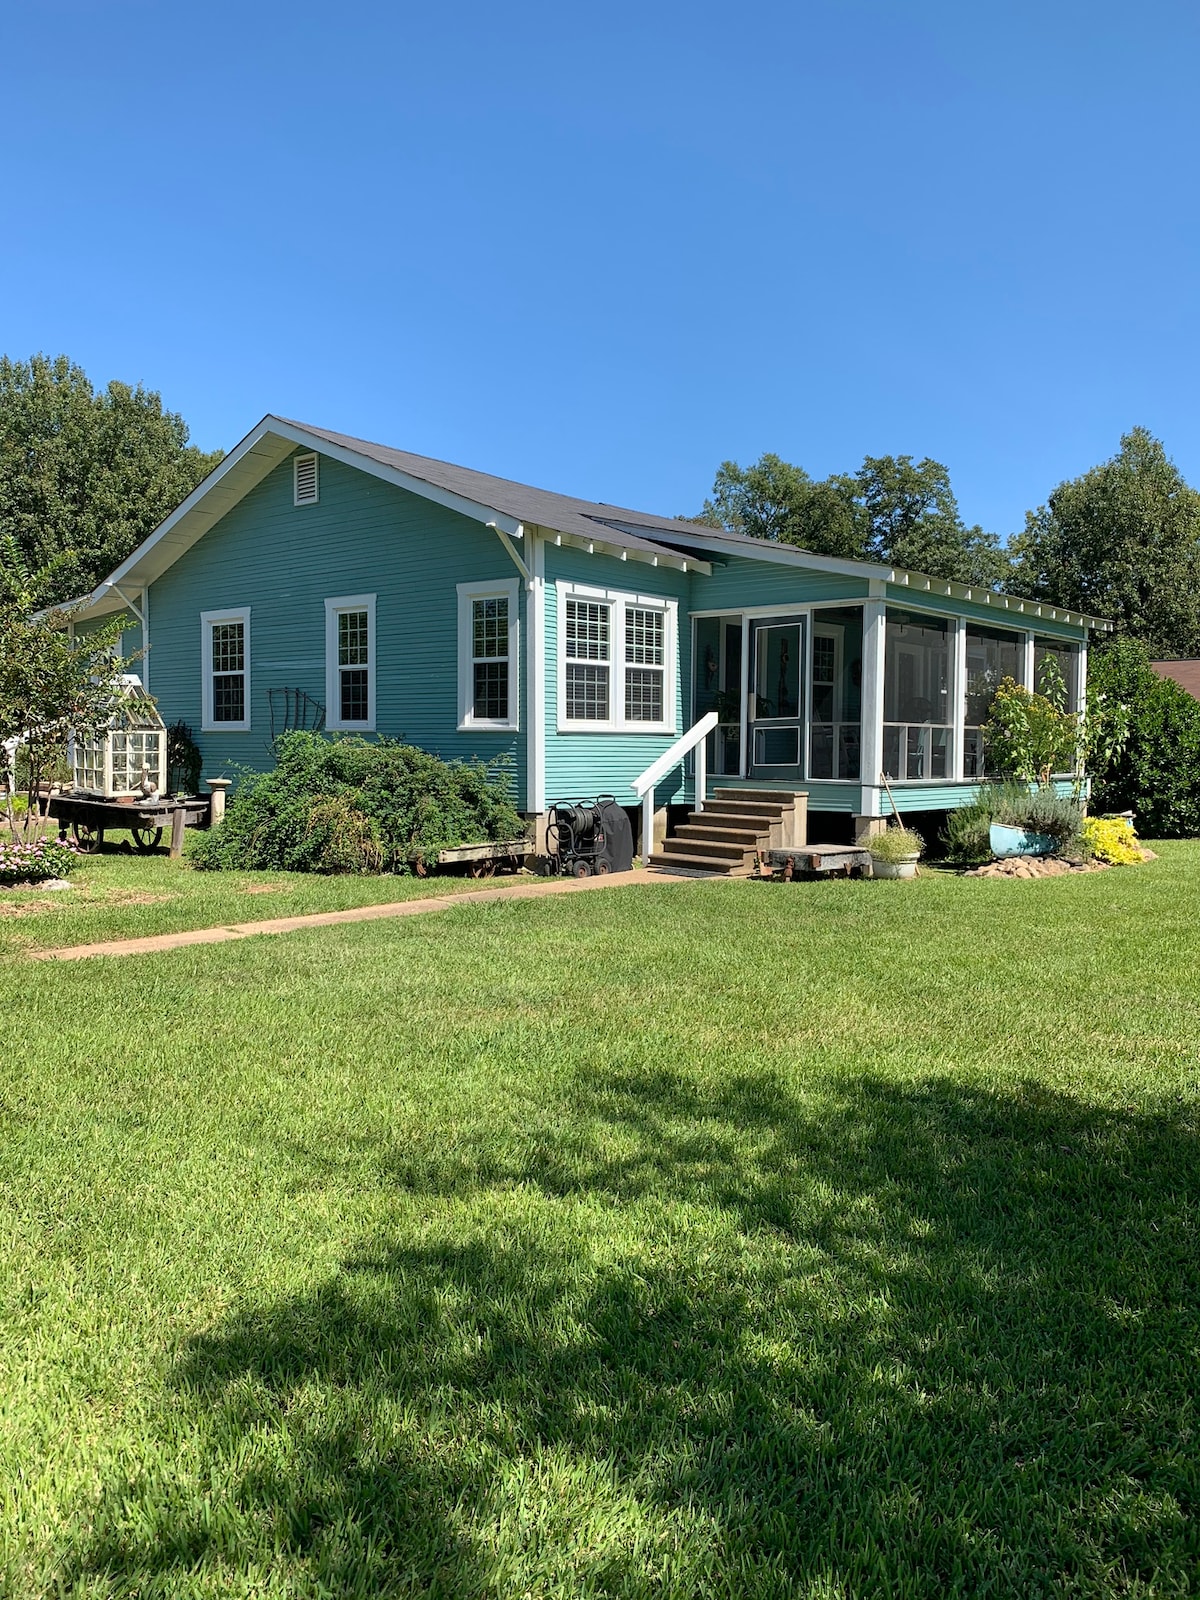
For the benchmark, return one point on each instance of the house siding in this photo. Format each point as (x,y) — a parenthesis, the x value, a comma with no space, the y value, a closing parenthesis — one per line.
(364,536)
(584,764)
(737,584)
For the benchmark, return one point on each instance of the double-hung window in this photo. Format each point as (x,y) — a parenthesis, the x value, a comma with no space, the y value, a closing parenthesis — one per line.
(225,670)
(488,635)
(645,662)
(616,661)
(350,663)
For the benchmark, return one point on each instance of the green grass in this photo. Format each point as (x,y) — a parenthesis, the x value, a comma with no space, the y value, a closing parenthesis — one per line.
(116,895)
(703,1239)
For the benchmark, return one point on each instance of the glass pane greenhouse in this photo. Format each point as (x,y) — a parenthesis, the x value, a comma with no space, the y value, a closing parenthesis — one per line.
(127,756)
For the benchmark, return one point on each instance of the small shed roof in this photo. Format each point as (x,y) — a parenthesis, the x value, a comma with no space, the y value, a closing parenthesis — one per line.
(1185,673)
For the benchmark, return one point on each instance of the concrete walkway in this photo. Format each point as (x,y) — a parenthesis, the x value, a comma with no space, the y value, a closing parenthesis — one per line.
(331,919)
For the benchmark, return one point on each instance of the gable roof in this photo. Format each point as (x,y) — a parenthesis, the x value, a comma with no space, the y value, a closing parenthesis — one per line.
(507,507)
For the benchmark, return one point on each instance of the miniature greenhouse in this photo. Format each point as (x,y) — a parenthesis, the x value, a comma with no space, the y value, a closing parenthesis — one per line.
(127,757)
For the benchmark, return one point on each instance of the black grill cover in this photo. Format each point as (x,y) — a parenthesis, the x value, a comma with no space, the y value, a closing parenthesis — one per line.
(617,850)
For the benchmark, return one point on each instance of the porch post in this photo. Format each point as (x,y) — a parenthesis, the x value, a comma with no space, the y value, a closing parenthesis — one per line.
(872,688)
(1028,663)
(958,704)
(701,774)
(647,825)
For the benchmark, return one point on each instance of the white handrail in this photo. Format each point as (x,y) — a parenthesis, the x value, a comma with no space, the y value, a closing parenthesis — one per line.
(644,786)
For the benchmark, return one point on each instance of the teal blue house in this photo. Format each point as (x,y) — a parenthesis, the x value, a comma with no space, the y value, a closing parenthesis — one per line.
(318,579)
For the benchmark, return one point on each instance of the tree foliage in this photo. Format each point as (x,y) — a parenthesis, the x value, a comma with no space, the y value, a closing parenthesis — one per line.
(893,510)
(1121,541)
(1157,772)
(51,683)
(84,473)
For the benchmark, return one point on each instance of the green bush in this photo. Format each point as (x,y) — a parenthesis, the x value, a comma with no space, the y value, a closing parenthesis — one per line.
(966,836)
(1157,774)
(357,805)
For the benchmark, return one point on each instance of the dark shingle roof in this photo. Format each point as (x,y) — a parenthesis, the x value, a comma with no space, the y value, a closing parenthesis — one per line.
(1185,673)
(539,507)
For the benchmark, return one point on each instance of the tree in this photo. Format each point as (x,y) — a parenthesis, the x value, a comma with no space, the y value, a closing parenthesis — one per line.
(1122,541)
(913,521)
(84,473)
(52,684)
(775,500)
(1156,773)
(891,510)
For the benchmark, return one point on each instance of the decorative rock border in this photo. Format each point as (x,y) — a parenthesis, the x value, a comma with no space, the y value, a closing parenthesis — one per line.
(1041,867)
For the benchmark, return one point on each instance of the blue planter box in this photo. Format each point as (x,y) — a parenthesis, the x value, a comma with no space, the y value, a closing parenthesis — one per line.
(1007,841)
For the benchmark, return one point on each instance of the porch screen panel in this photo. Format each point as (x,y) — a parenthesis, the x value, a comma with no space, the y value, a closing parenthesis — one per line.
(229,671)
(917,731)
(835,694)
(1053,659)
(588,630)
(993,654)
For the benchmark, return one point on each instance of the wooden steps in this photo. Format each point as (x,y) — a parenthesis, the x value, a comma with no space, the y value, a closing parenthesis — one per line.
(734,826)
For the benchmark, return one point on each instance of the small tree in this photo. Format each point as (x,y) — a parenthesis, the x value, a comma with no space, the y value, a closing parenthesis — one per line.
(51,684)
(1031,735)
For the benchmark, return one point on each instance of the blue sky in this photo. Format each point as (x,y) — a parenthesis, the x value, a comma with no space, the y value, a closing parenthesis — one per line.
(603,249)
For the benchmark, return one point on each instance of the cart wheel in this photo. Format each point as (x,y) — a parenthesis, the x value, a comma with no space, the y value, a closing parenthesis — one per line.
(88,837)
(602,869)
(147,839)
(482,869)
(581,869)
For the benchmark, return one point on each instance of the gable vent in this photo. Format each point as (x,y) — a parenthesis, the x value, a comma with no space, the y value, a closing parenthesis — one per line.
(305,484)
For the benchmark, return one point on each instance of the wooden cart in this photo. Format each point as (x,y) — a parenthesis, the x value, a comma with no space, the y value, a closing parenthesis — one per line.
(813,858)
(90,817)
(482,860)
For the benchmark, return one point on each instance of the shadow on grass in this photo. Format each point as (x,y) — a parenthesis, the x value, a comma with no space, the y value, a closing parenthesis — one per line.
(909,1340)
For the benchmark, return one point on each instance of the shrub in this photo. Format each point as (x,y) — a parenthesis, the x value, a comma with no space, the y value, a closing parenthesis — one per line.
(897,844)
(1111,839)
(34,860)
(357,805)
(966,835)
(184,761)
(1157,774)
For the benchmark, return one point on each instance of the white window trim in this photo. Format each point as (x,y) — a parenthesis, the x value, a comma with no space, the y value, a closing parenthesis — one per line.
(618,599)
(468,593)
(308,455)
(333,683)
(207,620)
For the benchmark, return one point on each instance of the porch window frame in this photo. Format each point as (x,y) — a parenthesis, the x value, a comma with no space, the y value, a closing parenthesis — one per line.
(807,611)
(208,621)
(337,607)
(618,602)
(468,593)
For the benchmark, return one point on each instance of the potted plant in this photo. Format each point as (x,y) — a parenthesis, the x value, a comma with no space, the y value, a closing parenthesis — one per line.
(895,854)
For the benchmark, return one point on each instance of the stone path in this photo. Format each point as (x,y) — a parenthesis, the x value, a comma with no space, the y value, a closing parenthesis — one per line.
(330,919)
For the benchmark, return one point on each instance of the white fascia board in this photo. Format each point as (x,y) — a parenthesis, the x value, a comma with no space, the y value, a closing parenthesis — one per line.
(921,583)
(474,509)
(128,568)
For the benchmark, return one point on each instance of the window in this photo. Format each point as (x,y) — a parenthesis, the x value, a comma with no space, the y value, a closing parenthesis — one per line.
(350,662)
(992,656)
(225,669)
(616,661)
(645,663)
(1055,659)
(306,483)
(917,733)
(488,637)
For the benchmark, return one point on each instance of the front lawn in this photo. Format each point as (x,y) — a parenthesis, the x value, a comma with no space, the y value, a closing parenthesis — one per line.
(701,1239)
(116,895)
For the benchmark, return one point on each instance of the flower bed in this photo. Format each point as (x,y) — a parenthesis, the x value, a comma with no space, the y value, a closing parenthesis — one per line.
(35,860)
